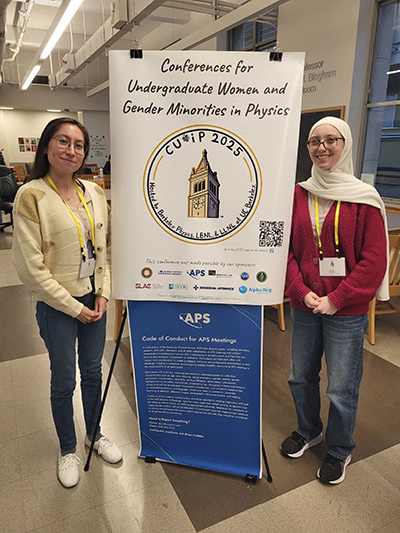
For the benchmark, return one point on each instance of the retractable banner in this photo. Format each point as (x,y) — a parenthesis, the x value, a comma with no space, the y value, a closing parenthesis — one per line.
(197,371)
(204,148)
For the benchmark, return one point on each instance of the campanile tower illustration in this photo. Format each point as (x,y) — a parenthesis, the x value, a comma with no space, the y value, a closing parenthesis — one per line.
(203,199)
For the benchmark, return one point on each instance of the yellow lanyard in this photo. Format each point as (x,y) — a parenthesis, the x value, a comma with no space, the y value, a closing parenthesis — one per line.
(74,217)
(321,255)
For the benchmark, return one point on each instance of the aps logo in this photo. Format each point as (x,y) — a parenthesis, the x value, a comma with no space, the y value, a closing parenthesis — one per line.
(195,320)
(196,274)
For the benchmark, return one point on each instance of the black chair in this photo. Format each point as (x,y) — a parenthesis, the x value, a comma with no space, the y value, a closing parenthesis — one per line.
(8,190)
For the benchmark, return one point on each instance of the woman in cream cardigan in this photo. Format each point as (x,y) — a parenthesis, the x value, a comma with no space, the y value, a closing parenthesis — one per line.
(337,263)
(61,251)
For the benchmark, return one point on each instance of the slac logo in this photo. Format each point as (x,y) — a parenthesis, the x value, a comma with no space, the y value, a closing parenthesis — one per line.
(196,274)
(195,320)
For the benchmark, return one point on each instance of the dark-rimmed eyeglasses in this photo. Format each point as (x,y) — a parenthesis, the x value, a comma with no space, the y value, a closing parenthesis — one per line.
(329,143)
(63,142)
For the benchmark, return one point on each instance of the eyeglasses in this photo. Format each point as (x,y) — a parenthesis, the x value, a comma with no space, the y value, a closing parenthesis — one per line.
(329,143)
(64,143)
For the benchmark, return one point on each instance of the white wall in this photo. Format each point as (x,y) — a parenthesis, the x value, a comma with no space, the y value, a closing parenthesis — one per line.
(98,124)
(37,97)
(23,123)
(27,123)
(327,32)
(337,39)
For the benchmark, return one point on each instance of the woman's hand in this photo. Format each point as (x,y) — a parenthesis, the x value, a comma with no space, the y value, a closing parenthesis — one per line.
(325,306)
(311,300)
(100,306)
(87,315)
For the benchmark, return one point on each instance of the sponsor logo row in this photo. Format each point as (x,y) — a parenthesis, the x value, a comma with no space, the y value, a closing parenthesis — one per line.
(198,274)
(184,287)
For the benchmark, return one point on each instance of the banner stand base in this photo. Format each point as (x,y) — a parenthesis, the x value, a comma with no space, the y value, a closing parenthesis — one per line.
(269,477)
(150,459)
(117,344)
(251,479)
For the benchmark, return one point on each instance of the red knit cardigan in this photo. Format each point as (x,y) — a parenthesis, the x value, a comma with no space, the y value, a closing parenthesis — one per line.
(363,243)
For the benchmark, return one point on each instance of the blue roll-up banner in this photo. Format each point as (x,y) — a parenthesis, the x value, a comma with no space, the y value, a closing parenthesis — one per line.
(197,370)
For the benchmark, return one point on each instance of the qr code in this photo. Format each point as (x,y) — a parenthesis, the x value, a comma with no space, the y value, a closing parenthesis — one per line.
(271,233)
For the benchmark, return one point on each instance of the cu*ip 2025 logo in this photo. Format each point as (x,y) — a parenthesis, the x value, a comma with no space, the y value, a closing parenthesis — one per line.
(202,184)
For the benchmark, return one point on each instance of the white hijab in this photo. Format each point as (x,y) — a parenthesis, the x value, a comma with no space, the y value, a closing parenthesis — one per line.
(339,183)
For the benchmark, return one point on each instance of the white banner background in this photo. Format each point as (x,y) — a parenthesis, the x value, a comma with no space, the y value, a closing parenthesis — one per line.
(170,111)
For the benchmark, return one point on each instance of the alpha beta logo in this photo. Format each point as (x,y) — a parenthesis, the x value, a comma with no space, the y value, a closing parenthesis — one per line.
(195,320)
(202,184)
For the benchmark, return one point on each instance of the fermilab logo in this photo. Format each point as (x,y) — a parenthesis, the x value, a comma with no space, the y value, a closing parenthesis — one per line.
(195,320)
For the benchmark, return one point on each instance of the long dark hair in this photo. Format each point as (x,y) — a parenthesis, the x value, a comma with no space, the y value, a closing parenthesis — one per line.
(41,165)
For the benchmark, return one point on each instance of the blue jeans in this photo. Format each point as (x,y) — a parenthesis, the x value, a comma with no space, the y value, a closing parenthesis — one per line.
(60,332)
(341,338)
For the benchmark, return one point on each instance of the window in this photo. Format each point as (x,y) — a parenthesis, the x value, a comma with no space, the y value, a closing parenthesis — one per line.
(382,146)
(260,35)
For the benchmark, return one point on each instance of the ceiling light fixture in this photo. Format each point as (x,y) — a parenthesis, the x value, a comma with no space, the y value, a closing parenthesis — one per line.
(63,17)
(54,110)
(6,108)
(30,77)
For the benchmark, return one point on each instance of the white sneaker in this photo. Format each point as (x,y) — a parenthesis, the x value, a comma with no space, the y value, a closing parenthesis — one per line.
(106,449)
(68,471)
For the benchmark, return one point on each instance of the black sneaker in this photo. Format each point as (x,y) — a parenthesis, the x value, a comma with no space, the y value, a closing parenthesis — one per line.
(295,445)
(333,470)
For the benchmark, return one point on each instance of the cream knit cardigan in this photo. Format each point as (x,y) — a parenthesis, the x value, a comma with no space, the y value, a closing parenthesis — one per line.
(46,250)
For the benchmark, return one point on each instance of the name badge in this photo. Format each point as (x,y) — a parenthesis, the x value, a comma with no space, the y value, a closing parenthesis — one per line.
(332,266)
(87,268)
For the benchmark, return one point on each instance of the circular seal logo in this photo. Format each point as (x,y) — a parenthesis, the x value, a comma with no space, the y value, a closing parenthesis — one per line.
(243,289)
(146,272)
(244,276)
(261,276)
(202,184)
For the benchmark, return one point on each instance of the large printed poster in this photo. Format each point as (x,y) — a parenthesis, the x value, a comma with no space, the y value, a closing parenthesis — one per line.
(204,149)
(198,383)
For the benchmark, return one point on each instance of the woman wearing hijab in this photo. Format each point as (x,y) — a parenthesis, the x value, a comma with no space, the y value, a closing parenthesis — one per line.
(337,264)
(61,251)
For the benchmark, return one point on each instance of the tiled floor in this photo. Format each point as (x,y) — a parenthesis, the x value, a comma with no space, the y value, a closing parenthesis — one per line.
(135,497)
